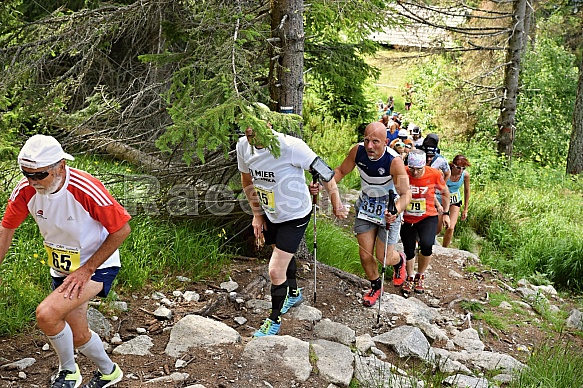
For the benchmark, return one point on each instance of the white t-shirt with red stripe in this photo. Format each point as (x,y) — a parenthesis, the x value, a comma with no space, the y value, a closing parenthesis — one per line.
(74,221)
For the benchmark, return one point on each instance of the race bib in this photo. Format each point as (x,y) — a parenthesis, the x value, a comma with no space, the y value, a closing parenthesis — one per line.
(267,199)
(416,207)
(372,209)
(63,258)
(454,197)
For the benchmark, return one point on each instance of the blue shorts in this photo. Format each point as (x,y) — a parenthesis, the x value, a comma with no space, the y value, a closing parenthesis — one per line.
(101,275)
(362,226)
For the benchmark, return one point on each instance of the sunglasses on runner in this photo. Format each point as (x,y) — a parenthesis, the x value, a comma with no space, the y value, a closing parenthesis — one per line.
(459,167)
(39,175)
(415,169)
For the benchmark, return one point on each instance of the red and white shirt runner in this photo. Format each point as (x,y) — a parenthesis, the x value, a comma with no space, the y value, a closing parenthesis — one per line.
(74,221)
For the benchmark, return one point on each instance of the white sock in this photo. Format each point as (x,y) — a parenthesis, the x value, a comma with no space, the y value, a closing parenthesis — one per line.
(63,345)
(95,351)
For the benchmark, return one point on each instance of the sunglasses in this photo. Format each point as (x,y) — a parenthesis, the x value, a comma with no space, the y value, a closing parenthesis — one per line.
(39,175)
(414,169)
(459,167)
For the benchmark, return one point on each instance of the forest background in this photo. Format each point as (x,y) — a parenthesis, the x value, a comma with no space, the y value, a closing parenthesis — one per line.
(151,96)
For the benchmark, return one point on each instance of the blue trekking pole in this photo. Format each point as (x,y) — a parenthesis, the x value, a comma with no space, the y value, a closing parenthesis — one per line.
(391,208)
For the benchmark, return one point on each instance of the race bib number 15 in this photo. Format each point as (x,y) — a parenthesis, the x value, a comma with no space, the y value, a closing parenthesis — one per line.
(267,199)
(63,258)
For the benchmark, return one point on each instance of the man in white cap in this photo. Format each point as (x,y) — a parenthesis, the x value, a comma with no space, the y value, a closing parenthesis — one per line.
(82,226)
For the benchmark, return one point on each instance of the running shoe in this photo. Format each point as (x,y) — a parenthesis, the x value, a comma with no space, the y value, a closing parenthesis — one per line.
(408,286)
(371,297)
(67,379)
(418,283)
(400,271)
(292,301)
(268,327)
(99,380)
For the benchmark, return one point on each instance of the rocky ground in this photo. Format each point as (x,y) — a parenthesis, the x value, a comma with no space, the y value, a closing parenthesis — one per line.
(453,281)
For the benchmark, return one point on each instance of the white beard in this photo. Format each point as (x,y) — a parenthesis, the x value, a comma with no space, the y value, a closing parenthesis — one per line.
(52,188)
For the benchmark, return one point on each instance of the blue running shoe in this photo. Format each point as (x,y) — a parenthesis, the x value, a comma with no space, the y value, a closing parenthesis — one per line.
(268,328)
(292,301)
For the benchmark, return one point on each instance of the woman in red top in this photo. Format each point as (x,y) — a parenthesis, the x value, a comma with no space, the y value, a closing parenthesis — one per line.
(420,218)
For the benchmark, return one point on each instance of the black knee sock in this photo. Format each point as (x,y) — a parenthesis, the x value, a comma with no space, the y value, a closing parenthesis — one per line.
(291,277)
(376,284)
(278,294)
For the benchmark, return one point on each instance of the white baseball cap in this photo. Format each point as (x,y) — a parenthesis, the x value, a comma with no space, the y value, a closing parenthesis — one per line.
(41,151)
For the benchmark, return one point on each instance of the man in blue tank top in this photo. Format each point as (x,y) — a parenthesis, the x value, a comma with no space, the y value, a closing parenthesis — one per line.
(381,169)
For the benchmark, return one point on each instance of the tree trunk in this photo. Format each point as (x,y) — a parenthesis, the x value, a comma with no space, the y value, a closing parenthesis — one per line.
(506,119)
(287,62)
(119,150)
(575,157)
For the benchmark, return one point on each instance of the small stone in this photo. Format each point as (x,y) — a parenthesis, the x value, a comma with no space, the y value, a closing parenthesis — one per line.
(116,339)
(191,296)
(240,320)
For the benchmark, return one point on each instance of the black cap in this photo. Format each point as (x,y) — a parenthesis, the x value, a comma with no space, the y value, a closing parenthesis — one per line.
(431,140)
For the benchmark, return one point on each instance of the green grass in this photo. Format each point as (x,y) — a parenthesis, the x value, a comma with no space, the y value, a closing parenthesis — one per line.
(157,249)
(24,278)
(552,367)
(497,298)
(393,76)
(473,306)
(336,246)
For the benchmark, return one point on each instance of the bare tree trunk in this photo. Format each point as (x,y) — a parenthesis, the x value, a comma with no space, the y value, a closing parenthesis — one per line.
(575,157)
(506,119)
(119,150)
(287,65)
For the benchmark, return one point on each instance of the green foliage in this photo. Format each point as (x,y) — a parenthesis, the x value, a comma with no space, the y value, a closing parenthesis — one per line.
(33,10)
(551,366)
(331,139)
(530,222)
(341,74)
(548,88)
(335,54)
(157,248)
(216,128)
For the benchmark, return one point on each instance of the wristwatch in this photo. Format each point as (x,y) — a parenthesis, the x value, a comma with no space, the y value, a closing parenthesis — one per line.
(446,213)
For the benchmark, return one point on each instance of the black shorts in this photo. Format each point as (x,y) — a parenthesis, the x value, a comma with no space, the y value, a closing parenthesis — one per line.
(424,230)
(286,235)
(103,275)
(458,204)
